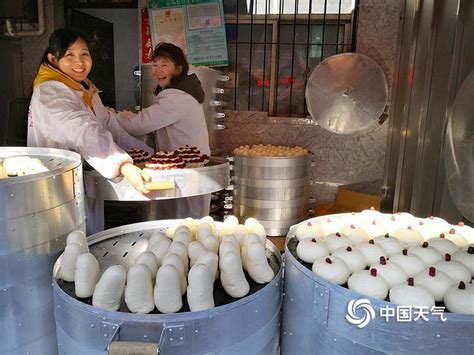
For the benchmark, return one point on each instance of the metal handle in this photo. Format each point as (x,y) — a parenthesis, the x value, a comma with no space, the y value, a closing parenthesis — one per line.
(132,348)
(217,103)
(218,91)
(224,78)
(137,76)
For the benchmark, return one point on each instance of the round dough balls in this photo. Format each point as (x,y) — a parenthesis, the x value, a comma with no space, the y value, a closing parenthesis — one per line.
(331,269)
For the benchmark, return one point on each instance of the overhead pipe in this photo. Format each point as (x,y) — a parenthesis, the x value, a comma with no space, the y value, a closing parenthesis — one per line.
(10,26)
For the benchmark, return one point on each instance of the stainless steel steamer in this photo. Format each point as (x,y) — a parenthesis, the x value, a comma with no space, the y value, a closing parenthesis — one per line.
(36,214)
(314,322)
(246,326)
(275,190)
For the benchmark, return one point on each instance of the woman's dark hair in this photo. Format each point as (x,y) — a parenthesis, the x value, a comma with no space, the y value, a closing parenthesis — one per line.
(173,53)
(59,42)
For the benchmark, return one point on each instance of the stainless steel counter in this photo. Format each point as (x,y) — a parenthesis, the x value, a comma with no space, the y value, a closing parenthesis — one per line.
(188,182)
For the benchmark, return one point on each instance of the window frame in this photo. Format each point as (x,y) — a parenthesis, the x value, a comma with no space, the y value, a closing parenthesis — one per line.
(346,20)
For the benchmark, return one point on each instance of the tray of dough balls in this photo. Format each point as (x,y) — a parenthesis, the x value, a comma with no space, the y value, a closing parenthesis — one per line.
(399,258)
(168,266)
(184,172)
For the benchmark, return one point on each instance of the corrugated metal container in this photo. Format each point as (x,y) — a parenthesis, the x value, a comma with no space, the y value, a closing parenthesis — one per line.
(249,325)
(314,320)
(36,214)
(275,190)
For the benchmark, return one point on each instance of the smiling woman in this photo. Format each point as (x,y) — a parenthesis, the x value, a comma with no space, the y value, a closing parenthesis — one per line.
(176,118)
(164,70)
(77,61)
(66,113)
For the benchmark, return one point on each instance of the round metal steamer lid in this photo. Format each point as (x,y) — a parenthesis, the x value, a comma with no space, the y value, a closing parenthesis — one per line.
(459,149)
(35,193)
(347,93)
(122,245)
(56,160)
(188,182)
(317,310)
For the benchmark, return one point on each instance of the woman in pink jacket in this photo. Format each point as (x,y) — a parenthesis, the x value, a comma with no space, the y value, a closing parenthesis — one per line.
(176,118)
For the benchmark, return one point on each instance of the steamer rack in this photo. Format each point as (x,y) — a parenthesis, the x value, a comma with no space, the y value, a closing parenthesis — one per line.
(314,318)
(250,324)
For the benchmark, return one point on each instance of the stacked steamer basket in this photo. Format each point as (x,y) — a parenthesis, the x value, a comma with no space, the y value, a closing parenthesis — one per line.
(273,189)
(247,325)
(321,317)
(36,213)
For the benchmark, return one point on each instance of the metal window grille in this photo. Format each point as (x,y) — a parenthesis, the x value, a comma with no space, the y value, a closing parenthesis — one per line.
(274,44)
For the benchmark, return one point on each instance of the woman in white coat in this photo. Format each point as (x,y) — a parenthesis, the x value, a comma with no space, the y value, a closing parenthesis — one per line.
(66,112)
(176,117)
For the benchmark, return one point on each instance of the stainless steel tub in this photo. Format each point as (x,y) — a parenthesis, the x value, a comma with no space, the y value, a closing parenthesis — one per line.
(36,214)
(246,326)
(275,190)
(314,320)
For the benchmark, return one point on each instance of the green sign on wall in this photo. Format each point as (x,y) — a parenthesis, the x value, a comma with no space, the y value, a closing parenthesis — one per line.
(197,26)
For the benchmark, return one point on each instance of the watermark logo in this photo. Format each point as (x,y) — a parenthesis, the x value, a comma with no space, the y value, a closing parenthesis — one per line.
(360,312)
(363,305)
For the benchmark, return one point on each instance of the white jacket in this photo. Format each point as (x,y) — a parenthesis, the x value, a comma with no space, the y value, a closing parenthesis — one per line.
(175,117)
(59,118)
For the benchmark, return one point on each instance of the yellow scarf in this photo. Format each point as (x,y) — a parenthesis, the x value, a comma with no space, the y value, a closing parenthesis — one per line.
(47,73)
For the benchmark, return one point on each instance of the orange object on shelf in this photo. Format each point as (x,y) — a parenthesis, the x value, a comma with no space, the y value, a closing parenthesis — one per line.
(349,201)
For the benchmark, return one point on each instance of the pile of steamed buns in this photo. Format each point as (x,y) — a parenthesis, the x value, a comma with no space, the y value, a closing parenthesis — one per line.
(186,259)
(416,262)
(269,150)
(21,166)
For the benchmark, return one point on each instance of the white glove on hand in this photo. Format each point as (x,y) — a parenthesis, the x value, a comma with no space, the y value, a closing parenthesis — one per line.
(135,177)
